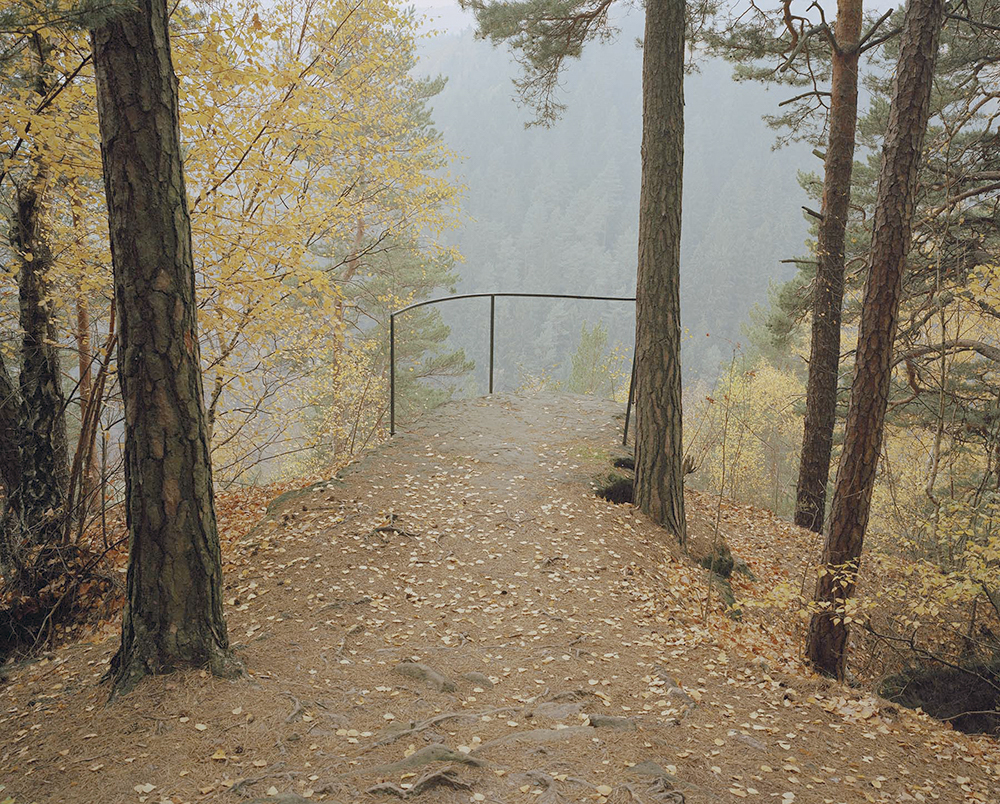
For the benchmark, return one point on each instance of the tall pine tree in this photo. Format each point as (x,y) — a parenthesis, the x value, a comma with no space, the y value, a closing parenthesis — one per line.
(901,155)
(173,608)
(543,35)
(808,54)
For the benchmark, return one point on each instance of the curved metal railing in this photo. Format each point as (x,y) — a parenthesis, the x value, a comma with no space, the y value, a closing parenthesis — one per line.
(493,302)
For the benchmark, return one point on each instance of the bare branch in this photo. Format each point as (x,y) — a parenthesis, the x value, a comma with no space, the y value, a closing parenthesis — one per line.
(813,93)
(871,31)
(957,345)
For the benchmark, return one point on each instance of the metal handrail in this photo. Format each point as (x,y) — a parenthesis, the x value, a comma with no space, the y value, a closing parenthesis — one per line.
(493,301)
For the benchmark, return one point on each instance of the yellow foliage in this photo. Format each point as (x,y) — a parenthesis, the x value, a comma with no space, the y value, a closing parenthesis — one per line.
(297,124)
(748,432)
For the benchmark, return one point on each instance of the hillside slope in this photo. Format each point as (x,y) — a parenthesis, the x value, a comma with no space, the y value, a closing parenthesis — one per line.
(556,210)
(460,619)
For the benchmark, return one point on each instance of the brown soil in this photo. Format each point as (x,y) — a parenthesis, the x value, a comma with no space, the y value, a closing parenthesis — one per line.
(473,544)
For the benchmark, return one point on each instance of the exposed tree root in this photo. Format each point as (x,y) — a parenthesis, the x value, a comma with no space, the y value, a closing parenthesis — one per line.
(439,777)
(434,721)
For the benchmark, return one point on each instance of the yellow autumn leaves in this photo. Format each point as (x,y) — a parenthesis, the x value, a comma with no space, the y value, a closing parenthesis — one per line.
(299,131)
(745,434)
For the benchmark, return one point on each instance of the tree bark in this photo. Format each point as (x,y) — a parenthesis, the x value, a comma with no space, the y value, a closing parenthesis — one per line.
(828,289)
(85,359)
(10,419)
(37,503)
(10,472)
(901,156)
(173,611)
(44,467)
(659,486)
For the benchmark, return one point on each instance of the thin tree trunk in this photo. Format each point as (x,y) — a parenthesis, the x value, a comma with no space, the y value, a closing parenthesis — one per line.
(901,155)
(828,290)
(10,471)
(218,386)
(659,449)
(89,423)
(83,349)
(44,469)
(10,418)
(173,611)
(353,265)
(39,499)
(84,355)
(85,359)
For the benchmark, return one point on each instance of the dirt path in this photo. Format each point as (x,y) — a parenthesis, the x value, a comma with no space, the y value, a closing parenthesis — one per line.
(459,619)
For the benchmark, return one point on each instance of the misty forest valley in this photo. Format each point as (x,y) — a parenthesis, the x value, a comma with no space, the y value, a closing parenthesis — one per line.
(505,401)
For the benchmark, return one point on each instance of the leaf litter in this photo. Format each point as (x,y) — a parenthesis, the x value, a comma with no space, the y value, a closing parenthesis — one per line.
(556,647)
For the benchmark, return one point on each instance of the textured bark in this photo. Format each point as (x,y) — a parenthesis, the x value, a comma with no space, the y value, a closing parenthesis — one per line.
(10,456)
(44,465)
(36,506)
(85,359)
(10,472)
(828,290)
(659,486)
(908,115)
(173,613)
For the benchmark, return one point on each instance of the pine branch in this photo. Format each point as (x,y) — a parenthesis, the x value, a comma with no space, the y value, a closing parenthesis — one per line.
(813,93)
(871,31)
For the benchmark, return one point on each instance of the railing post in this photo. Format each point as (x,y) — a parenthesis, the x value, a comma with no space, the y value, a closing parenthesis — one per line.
(493,305)
(392,374)
(631,397)
(493,318)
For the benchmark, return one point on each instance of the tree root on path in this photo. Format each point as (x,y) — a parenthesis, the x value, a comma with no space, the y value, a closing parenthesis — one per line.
(433,721)
(661,790)
(568,696)
(550,793)
(658,792)
(440,777)
(296,707)
(392,528)
(242,784)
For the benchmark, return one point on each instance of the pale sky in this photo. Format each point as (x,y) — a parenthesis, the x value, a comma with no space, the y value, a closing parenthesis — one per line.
(445,15)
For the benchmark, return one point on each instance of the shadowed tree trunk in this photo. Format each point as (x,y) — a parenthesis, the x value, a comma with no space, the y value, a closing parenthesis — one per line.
(10,466)
(659,485)
(85,358)
(34,415)
(42,424)
(908,116)
(828,289)
(10,457)
(173,611)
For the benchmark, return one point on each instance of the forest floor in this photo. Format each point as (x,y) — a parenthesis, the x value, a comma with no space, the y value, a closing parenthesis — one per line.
(459,618)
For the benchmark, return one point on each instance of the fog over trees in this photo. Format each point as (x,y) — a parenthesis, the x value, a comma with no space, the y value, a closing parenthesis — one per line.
(555,209)
(240,438)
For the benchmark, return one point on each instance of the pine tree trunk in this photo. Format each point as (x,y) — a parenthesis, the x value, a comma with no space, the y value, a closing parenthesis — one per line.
(44,464)
(35,512)
(10,471)
(659,450)
(173,612)
(901,156)
(85,359)
(10,418)
(828,290)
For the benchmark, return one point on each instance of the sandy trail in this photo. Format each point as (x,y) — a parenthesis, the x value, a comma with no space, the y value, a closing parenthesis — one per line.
(460,619)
